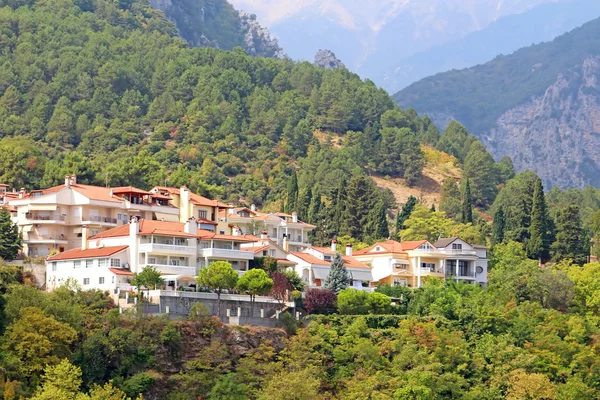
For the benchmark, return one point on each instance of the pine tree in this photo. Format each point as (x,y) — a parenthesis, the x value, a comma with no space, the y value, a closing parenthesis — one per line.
(498,226)
(483,175)
(378,225)
(314,210)
(403,215)
(432,208)
(450,199)
(291,203)
(304,204)
(339,205)
(360,195)
(570,236)
(338,278)
(538,245)
(467,204)
(10,238)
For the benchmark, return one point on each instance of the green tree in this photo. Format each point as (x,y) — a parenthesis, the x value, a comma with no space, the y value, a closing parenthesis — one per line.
(304,203)
(456,141)
(314,210)
(480,169)
(450,199)
(538,245)
(377,227)
(338,278)
(498,226)
(291,203)
(353,302)
(506,169)
(403,215)
(10,238)
(219,276)
(149,277)
(569,242)
(61,381)
(378,303)
(467,204)
(255,282)
(359,196)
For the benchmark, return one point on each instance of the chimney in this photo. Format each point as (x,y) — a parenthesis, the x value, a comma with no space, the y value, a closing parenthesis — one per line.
(84,237)
(68,181)
(253,207)
(264,235)
(184,203)
(22,193)
(191,226)
(230,210)
(73,179)
(334,245)
(286,243)
(294,216)
(349,250)
(134,226)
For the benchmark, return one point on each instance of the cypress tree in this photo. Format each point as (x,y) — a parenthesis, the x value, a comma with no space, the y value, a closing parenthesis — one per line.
(10,238)
(291,203)
(570,236)
(338,278)
(339,206)
(538,245)
(403,215)
(498,226)
(304,204)
(467,204)
(433,208)
(360,195)
(314,210)
(378,225)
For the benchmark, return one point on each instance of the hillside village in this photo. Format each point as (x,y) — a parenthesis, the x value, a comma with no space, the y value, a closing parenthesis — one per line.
(101,237)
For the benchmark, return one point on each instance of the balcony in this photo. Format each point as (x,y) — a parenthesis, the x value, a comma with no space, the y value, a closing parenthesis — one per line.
(432,270)
(98,220)
(37,239)
(166,248)
(462,273)
(55,218)
(175,269)
(212,252)
(461,252)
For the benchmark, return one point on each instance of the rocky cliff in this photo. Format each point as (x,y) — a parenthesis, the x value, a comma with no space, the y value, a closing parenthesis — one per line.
(215,23)
(326,59)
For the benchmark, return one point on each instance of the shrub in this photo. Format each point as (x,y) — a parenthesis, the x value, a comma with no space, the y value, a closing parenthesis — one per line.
(319,301)
(290,324)
(353,301)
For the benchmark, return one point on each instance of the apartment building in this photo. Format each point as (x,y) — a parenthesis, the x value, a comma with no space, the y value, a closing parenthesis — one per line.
(107,260)
(52,219)
(409,263)
(314,263)
(283,229)
(265,247)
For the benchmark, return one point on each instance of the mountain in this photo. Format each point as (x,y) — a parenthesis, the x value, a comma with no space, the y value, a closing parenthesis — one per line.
(539,105)
(503,36)
(215,23)
(377,38)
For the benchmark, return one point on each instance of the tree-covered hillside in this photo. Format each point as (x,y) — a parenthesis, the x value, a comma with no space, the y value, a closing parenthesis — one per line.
(477,96)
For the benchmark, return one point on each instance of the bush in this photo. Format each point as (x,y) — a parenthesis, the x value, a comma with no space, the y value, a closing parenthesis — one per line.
(379,303)
(138,384)
(290,324)
(353,301)
(319,301)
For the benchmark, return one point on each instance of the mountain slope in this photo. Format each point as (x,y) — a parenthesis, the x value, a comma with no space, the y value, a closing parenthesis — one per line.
(215,23)
(538,105)
(504,36)
(372,38)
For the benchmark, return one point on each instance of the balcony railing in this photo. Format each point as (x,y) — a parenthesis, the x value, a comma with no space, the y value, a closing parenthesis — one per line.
(47,238)
(38,217)
(400,267)
(213,252)
(97,218)
(462,273)
(461,252)
(170,248)
(434,270)
(176,269)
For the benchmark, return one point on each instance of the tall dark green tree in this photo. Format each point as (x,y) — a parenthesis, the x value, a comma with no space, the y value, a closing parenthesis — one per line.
(403,215)
(359,202)
(291,202)
(314,209)
(467,204)
(450,199)
(10,238)
(377,228)
(338,206)
(570,236)
(456,140)
(498,226)
(304,204)
(338,278)
(481,170)
(540,236)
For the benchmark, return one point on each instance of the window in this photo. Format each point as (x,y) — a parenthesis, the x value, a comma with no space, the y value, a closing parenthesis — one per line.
(202,214)
(94,232)
(115,263)
(327,258)
(428,266)
(119,217)
(86,281)
(479,270)
(77,264)
(377,248)
(174,261)
(221,232)
(89,263)
(272,252)
(113,279)
(101,280)
(400,282)
(264,253)
(401,267)
(54,266)
(102,262)
(456,246)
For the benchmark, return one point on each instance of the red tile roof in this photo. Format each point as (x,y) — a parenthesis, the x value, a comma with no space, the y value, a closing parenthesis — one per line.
(349,262)
(89,253)
(129,189)
(147,227)
(119,271)
(391,246)
(194,198)
(324,250)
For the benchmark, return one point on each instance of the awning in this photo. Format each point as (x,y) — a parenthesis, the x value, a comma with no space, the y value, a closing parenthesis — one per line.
(320,273)
(42,207)
(360,275)
(166,217)
(178,278)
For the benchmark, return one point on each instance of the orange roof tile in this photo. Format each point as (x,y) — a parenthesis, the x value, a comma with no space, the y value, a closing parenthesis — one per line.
(309,258)
(147,227)
(119,271)
(351,262)
(89,253)
(194,198)
(129,189)
(392,246)
(324,250)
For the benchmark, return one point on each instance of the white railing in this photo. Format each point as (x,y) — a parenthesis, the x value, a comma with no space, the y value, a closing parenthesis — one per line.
(171,248)
(461,252)
(176,269)
(225,253)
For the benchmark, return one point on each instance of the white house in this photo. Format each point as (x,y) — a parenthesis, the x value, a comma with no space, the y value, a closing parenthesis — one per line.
(464,262)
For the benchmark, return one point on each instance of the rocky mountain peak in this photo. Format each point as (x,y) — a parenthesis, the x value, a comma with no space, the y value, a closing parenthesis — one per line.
(326,59)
